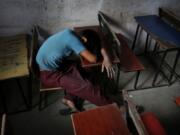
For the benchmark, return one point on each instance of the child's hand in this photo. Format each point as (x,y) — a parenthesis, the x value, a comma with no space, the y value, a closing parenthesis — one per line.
(109,68)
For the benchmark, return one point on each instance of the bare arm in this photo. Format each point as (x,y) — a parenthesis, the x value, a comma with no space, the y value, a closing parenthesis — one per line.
(88,56)
(105,54)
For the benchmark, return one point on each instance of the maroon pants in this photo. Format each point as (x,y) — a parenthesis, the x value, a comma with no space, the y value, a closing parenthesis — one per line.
(74,84)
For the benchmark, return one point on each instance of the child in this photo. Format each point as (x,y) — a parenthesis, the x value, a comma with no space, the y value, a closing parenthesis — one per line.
(55,70)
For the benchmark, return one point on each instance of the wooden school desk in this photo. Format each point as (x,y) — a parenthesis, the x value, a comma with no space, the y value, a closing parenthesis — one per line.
(13,59)
(128,61)
(104,120)
(165,36)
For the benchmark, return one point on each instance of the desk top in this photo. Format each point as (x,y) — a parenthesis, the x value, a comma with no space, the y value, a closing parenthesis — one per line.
(84,62)
(159,29)
(13,57)
(104,120)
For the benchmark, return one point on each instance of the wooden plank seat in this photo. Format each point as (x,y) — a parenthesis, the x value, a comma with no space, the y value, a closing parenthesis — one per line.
(129,61)
(43,87)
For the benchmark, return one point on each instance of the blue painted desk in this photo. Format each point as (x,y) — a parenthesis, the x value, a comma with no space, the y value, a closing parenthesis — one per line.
(159,29)
(165,36)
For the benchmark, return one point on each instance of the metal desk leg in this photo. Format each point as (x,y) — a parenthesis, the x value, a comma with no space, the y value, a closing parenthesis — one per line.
(136,81)
(159,69)
(43,100)
(146,45)
(3,125)
(40,100)
(3,99)
(156,47)
(118,73)
(22,93)
(174,66)
(30,83)
(135,38)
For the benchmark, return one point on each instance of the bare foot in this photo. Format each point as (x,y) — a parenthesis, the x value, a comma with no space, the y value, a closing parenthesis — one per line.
(69,103)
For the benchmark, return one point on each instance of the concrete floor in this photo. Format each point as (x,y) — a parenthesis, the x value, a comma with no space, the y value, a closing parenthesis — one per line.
(50,122)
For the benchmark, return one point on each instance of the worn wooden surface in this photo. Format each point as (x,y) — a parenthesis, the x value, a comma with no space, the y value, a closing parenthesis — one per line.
(129,61)
(13,57)
(105,120)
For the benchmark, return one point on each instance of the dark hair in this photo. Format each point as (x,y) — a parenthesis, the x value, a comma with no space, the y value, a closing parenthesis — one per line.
(93,43)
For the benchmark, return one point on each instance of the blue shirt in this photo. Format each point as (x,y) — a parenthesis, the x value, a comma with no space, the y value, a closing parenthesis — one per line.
(56,48)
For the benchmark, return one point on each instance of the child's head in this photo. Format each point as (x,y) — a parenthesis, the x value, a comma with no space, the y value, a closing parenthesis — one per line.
(91,41)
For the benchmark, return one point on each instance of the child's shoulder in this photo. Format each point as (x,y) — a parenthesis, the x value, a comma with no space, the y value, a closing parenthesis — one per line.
(68,30)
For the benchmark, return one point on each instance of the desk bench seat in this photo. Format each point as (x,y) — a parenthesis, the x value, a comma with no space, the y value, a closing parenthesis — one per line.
(128,59)
(47,88)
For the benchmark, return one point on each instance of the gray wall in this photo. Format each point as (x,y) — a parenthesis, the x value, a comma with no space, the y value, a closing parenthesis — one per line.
(17,16)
